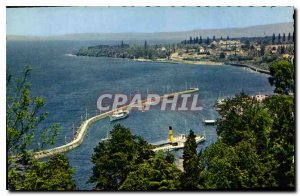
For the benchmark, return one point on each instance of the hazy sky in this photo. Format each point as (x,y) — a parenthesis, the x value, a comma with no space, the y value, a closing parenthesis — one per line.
(66,20)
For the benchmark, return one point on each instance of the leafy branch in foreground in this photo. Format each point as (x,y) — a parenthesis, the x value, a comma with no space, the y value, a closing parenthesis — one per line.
(23,117)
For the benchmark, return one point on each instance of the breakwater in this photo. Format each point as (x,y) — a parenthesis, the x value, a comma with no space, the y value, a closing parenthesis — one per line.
(88,122)
(250,67)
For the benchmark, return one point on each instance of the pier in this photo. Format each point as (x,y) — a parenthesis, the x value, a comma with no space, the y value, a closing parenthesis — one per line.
(251,67)
(77,141)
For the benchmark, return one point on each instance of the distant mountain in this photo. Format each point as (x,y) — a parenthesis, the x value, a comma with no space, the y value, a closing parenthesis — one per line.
(253,31)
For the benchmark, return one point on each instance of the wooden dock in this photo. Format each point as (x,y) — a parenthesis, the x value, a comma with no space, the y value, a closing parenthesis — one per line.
(87,123)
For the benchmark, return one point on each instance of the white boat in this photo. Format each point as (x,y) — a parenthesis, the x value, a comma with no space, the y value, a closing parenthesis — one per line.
(210,122)
(108,137)
(177,142)
(182,139)
(195,89)
(120,114)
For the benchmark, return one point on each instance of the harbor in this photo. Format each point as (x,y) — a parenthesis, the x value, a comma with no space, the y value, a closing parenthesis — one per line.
(88,122)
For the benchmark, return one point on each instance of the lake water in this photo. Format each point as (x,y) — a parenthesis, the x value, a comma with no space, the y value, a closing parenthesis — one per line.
(70,85)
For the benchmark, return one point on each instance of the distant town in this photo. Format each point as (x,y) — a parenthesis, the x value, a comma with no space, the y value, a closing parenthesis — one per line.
(257,51)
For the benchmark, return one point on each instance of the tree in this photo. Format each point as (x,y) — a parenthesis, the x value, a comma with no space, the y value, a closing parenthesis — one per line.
(282,76)
(207,41)
(247,44)
(200,40)
(233,167)
(54,174)
(262,49)
(191,40)
(222,55)
(227,37)
(282,50)
(214,38)
(221,38)
(283,37)
(282,139)
(191,163)
(256,145)
(289,37)
(157,173)
(23,117)
(190,147)
(273,38)
(116,158)
(242,118)
(145,45)
(279,39)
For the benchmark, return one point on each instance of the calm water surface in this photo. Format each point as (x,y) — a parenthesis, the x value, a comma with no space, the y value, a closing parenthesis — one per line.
(71,84)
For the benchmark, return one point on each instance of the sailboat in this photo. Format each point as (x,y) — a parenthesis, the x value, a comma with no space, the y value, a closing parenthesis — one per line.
(107,135)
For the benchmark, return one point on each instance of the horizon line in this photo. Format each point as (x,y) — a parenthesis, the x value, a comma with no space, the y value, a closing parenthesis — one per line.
(59,35)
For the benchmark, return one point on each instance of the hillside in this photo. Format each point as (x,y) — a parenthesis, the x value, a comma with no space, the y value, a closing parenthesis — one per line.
(253,31)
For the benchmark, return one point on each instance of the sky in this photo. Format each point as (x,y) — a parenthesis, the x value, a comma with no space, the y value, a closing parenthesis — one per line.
(69,20)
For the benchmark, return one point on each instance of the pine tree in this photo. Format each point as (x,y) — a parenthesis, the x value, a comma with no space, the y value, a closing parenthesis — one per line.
(273,38)
(192,164)
(214,38)
(207,41)
(279,38)
(289,37)
(200,40)
(190,148)
(283,37)
(191,40)
(145,45)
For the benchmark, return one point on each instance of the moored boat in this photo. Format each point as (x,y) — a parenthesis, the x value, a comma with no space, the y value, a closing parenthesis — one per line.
(120,114)
(178,142)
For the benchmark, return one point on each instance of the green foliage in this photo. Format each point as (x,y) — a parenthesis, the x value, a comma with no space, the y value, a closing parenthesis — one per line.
(125,51)
(222,55)
(114,159)
(255,148)
(127,162)
(157,173)
(23,115)
(54,174)
(22,119)
(190,148)
(282,137)
(233,167)
(192,164)
(283,76)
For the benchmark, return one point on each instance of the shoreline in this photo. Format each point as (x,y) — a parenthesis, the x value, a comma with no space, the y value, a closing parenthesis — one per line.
(250,67)
(207,62)
(180,61)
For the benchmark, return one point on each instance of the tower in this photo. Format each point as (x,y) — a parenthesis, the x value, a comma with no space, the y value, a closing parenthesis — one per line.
(171,134)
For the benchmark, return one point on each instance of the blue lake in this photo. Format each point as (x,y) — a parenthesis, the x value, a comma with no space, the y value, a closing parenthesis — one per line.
(70,85)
